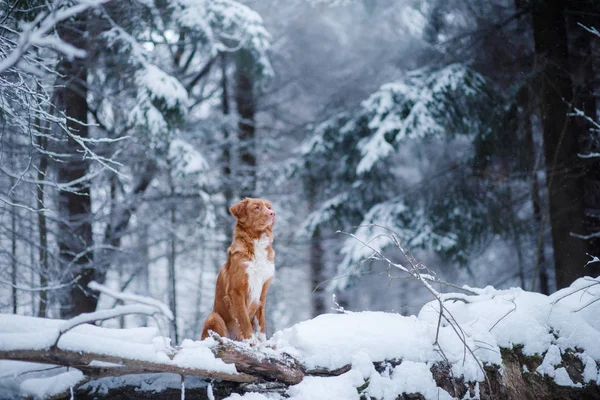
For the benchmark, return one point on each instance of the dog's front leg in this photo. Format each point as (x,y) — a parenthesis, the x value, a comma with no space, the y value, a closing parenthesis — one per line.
(260,313)
(239,312)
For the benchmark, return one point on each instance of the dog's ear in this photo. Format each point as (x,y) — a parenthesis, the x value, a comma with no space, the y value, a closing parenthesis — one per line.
(239,211)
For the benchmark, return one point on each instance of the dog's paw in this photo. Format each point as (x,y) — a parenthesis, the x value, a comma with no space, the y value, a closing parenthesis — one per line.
(256,340)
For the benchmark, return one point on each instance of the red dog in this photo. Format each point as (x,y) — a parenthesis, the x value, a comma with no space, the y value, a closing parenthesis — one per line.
(244,280)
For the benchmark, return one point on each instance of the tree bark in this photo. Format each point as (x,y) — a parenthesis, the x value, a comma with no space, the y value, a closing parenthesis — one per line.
(316,276)
(564,169)
(42,143)
(171,257)
(258,373)
(585,84)
(13,254)
(251,366)
(540,270)
(228,182)
(75,230)
(246,107)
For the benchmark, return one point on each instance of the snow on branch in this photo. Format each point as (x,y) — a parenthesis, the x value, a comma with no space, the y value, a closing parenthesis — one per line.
(103,315)
(103,352)
(591,30)
(157,305)
(38,34)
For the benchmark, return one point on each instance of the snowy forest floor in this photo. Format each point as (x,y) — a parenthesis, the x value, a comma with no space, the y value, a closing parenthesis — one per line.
(488,343)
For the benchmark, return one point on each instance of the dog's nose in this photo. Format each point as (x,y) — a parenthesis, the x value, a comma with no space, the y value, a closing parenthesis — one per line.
(272,213)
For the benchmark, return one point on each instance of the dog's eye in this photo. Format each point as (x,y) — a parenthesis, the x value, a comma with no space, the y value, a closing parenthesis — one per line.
(257,208)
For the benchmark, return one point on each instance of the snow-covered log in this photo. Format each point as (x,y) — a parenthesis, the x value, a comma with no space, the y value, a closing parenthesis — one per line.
(491,344)
(251,365)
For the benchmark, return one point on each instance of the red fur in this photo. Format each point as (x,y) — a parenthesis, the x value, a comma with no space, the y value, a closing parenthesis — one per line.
(234,314)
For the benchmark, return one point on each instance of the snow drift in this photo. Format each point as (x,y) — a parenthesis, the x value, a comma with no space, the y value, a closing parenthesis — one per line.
(384,354)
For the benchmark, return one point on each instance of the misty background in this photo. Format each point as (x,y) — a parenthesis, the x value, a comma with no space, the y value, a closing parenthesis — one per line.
(466,130)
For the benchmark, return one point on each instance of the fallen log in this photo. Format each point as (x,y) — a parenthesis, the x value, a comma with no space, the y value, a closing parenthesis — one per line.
(283,368)
(251,364)
(123,365)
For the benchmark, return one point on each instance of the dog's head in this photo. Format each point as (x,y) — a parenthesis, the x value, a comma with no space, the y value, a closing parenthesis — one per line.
(254,214)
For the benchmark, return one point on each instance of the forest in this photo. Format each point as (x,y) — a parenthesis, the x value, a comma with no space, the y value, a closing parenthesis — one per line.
(434,166)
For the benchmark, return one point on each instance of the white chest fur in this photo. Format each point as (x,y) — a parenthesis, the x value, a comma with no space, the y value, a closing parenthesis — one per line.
(260,269)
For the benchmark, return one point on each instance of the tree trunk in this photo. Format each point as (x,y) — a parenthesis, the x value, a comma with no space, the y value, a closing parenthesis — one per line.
(42,143)
(13,246)
(316,276)
(171,257)
(563,167)
(144,279)
(75,229)
(540,270)
(582,56)
(246,107)
(229,186)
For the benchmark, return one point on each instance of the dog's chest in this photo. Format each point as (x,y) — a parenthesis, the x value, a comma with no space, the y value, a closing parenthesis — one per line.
(260,269)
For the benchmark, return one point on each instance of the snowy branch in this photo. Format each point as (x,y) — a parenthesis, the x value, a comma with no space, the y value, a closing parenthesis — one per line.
(591,30)
(103,315)
(38,34)
(415,272)
(157,305)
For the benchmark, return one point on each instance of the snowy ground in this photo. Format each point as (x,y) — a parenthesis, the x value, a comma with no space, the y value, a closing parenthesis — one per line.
(486,321)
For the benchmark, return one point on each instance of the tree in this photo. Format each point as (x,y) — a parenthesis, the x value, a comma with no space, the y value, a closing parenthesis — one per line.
(75,204)
(563,168)
(454,217)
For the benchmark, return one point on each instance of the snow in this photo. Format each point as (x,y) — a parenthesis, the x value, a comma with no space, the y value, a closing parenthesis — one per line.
(492,319)
(197,354)
(144,344)
(162,86)
(186,159)
(40,388)
(163,308)
(332,340)
(487,320)
(325,388)
(247,396)
(215,20)
(413,108)
(411,377)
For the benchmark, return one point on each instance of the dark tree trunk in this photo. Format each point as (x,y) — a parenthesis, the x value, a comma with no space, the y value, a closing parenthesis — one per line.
(585,83)
(13,261)
(228,188)
(540,270)
(42,143)
(171,259)
(526,109)
(316,258)
(563,167)
(75,229)
(316,276)
(246,107)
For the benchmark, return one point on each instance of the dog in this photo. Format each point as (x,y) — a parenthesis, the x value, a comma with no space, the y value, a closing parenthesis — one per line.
(244,279)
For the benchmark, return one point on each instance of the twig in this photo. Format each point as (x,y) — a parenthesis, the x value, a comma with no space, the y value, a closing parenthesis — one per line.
(415,273)
(505,315)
